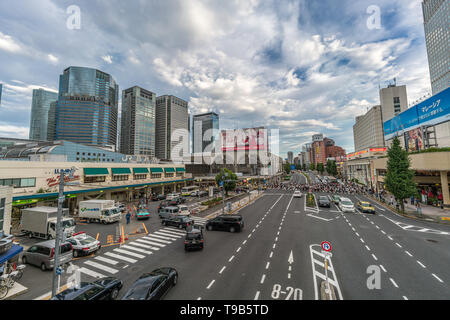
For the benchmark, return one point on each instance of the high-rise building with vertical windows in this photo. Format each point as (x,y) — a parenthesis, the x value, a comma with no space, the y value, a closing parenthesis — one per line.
(172,122)
(436,20)
(138,122)
(205,132)
(393,101)
(290,155)
(40,106)
(51,124)
(87,107)
(1,88)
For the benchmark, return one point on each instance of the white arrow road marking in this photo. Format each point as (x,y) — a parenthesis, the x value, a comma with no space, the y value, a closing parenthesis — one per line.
(291,258)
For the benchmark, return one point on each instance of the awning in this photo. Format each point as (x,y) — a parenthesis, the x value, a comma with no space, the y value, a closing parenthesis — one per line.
(120,171)
(169,170)
(140,170)
(95,171)
(15,250)
(181,169)
(156,170)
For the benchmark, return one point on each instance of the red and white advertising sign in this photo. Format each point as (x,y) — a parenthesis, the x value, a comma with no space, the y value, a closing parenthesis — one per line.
(244,139)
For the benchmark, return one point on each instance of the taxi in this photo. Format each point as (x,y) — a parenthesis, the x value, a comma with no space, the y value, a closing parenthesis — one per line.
(142,214)
(364,206)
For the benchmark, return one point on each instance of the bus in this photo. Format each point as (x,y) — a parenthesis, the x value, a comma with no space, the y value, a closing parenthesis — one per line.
(186,191)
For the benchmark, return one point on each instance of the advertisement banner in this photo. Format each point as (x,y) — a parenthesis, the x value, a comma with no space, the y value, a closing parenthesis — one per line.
(244,139)
(414,140)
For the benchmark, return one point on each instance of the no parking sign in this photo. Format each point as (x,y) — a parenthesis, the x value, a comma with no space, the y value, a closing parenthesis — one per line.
(326,246)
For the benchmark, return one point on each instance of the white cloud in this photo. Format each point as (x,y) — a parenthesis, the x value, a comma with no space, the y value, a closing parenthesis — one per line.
(107,59)
(7,43)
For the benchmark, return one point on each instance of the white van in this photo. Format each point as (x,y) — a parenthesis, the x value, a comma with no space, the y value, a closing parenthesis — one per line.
(167,212)
(184,210)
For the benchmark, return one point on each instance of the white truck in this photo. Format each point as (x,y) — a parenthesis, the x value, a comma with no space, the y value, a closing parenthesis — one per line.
(40,222)
(101,211)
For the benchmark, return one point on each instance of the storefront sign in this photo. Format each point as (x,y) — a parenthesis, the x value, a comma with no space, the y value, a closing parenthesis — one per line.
(51,182)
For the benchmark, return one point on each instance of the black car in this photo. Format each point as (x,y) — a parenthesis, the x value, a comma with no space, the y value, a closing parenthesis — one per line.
(181,222)
(229,222)
(194,239)
(153,285)
(324,202)
(103,289)
(161,197)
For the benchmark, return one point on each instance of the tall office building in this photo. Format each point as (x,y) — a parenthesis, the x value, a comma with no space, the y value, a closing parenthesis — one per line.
(51,124)
(138,122)
(368,130)
(208,124)
(290,157)
(437,35)
(87,107)
(171,115)
(393,101)
(40,107)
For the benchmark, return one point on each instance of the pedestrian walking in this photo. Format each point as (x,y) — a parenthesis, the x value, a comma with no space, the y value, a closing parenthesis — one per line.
(419,208)
(440,200)
(128,216)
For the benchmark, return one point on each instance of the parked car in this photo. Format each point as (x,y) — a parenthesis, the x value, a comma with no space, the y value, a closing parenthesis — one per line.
(194,239)
(103,289)
(161,197)
(229,222)
(184,210)
(181,222)
(163,204)
(83,244)
(203,193)
(324,202)
(121,207)
(346,205)
(335,198)
(297,194)
(168,212)
(153,285)
(364,207)
(171,196)
(42,254)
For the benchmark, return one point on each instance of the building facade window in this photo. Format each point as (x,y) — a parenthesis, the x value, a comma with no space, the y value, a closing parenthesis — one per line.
(2,212)
(156,175)
(122,177)
(140,176)
(19,182)
(94,179)
(168,174)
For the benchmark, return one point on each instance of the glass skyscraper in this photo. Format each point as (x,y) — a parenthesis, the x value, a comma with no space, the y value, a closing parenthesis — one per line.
(436,19)
(40,107)
(1,88)
(138,122)
(205,123)
(87,107)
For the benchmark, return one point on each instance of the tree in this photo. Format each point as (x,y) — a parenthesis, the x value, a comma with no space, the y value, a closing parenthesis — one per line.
(331,167)
(320,167)
(399,177)
(312,167)
(230,179)
(287,168)
(304,167)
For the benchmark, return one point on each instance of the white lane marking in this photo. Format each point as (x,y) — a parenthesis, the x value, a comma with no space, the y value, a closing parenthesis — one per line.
(173,231)
(249,235)
(316,274)
(375,257)
(383,232)
(271,254)
(263,278)
(377,227)
(421,264)
(257,295)
(151,242)
(276,239)
(232,257)
(101,267)
(221,270)
(390,238)
(398,245)
(253,230)
(238,249)
(368,249)
(110,261)
(126,252)
(393,282)
(118,256)
(289,275)
(405,298)
(357,234)
(166,236)
(136,249)
(210,284)
(383,268)
(409,254)
(267,265)
(274,245)
(437,277)
(91,273)
(245,241)
(144,246)
(157,239)
(199,298)
(362,240)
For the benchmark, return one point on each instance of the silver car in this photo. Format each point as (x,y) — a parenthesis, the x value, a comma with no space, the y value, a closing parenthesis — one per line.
(42,254)
(167,212)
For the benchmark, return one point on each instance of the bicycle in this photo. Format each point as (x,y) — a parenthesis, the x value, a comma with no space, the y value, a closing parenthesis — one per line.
(7,281)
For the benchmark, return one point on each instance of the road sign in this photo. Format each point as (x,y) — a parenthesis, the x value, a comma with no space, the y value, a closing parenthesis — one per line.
(292,167)
(326,246)
(221,183)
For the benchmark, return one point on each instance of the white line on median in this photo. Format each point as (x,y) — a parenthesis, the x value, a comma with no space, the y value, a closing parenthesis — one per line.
(409,254)
(263,278)
(221,270)
(211,283)
(383,268)
(393,282)
(267,265)
(257,295)
(232,257)
(375,257)
(421,264)
(437,277)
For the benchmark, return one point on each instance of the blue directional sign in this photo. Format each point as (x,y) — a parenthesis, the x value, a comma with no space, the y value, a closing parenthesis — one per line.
(221,183)
(292,167)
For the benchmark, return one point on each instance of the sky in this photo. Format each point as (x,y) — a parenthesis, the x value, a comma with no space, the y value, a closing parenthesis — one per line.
(300,66)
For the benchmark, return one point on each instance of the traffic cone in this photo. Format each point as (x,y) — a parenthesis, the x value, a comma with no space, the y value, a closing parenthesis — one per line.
(126,237)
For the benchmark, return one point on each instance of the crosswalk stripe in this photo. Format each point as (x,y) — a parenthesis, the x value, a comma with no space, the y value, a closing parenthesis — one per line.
(152,238)
(113,262)
(161,237)
(118,256)
(151,242)
(101,267)
(172,232)
(91,273)
(175,230)
(144,246)
(171,235)
(140,256)
(136,249)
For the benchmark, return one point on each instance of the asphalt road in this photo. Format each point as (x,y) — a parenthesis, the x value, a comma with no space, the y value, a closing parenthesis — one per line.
(278,256)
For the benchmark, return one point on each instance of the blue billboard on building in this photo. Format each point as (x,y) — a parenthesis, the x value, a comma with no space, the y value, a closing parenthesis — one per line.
(430,112)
